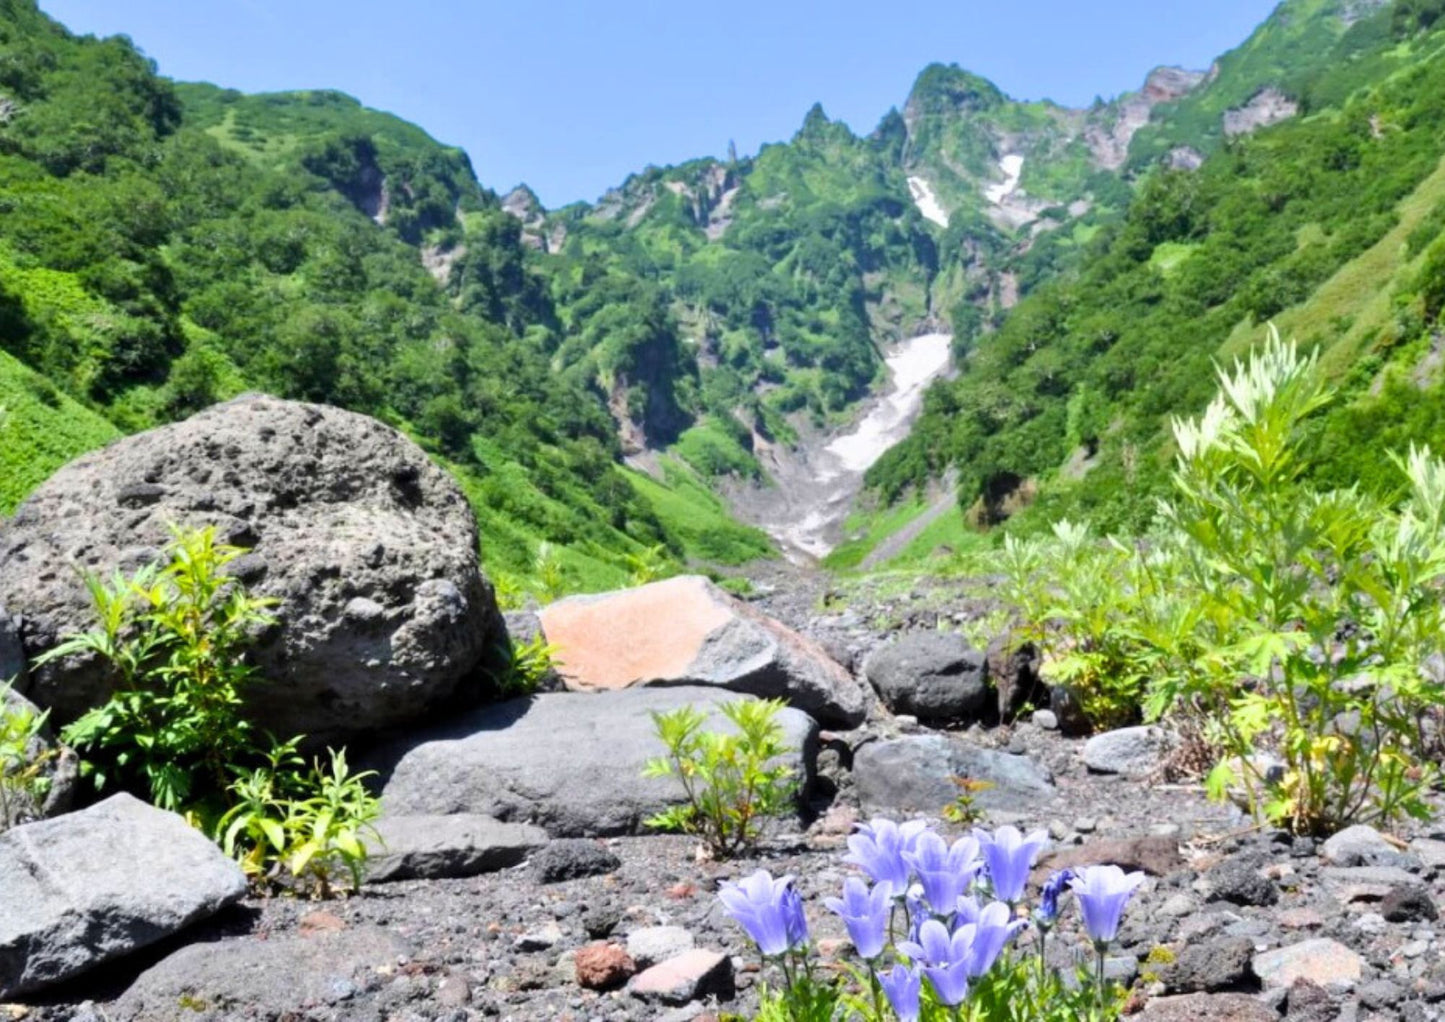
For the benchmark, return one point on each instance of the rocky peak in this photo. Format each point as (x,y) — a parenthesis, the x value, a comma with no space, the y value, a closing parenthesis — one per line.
(522,203)
(1166,84)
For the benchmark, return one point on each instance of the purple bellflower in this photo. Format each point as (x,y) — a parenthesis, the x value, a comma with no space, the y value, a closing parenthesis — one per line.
(865,913)
(994,927)
(1048,911)
(769,910)
(1010,855)
(1103,891)
(903,987)
(878,848)
(944,871)
(945,958)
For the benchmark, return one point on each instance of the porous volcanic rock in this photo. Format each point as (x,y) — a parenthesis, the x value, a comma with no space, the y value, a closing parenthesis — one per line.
(687,631)
(570,762)
(93,885)
(921,773)
(931,675)
(368,547)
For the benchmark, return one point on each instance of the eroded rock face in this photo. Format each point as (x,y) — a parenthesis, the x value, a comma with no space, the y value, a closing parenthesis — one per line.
(1267,106)
(91,886)
(687,631)
(568,762)
(369,548)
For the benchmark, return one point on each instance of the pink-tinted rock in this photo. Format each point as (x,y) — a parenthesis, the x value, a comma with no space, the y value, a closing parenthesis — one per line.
(603,966)
(687,631)
(1157,856)
(686,977)
(1320,961)
(1207,1008)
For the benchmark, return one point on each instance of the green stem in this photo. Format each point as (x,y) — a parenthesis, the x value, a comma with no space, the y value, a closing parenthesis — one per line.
(877,989)
(1099,976)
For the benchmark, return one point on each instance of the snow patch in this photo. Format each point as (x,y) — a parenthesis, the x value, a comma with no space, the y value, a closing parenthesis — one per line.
(927,202)
(916,364)
(1012,166)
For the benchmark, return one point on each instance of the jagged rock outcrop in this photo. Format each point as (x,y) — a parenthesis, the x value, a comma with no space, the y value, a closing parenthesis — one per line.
(1267,106)
(369,549)
(1109,141)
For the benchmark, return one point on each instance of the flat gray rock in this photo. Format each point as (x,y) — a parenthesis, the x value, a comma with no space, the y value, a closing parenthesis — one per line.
(430,847)
(1131,751)
(251,977)
(932,676)
(97,884)
(569,762)
(917,774)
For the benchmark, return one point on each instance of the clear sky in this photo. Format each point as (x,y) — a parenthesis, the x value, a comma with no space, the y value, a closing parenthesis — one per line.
(571,96)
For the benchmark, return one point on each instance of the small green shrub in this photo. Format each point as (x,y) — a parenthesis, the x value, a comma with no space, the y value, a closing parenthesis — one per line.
(308,827)
(175,638)
(731,780)
(23,758)
(527,666)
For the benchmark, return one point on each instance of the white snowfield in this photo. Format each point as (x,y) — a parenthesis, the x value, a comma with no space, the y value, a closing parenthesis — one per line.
(1012,166)
(915,364)
(927,202)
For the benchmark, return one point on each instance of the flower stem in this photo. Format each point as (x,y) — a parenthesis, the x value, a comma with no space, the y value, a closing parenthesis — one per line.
(877,989)
(1099,991)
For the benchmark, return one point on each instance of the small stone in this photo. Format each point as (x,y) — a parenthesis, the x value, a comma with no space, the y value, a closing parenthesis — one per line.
(1381,993)
(572,859)
(603,966)
(686,977)
(1320,961)
(1086,825)
(1240,881)
(1157,856)
(1178,906)
(453,992)
(1131,751)
(600,920)
(653,944)
(1310,1002)
(1360,845)
(320,921)
(1046,719)
(1408,904)
(1206,1008)
(1430,852)
(540,939)
(1212,966)
(1300,919)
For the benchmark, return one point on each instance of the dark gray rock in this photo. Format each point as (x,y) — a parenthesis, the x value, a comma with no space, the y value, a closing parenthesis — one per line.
(1210,966)
(918,773)
(275,976)
(932,676)
(1014,672)
(12,653)
(1068,711)
(1238,880)
(438,847)
(569,762)
(1408,904)
(1131,751)
(572,859)
(97,884)
(369,547)
(1310,1002)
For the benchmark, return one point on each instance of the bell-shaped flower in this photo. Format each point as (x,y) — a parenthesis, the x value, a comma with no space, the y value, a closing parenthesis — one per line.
(1048,911)
(994,928)
(769,910)
(944,870)
(1103,891)
(903,986)
(945,958)
(1009,856)
(878,847)
(967,910)
(865,913)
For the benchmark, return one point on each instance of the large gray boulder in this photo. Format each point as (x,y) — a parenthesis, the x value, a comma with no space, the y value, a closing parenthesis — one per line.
(93,885)
(569,762)
(688,631)
(370,549)
(931,675)
(920,773)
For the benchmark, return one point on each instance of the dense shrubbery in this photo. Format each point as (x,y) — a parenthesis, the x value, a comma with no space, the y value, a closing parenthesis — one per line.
(1282,620)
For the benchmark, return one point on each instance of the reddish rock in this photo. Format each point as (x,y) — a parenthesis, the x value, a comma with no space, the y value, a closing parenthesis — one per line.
(320,922)
(603,966)
(686,977)
(687,631)
(1207,1008)
(1157,856)
(1321,961)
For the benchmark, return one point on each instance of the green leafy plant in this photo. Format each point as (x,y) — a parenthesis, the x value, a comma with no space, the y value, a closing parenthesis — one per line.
(527,665)
(964,809)
(307,828)
(732,780)
(175,638)
(23,759)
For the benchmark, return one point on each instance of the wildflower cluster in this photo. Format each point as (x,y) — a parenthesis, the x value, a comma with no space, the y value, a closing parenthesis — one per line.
(938,928)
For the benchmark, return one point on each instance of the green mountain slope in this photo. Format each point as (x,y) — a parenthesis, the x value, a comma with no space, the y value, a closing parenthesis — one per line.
(1327,222)
(164,247)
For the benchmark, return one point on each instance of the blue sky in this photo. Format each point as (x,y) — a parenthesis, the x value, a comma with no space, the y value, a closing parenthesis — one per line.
(573,95)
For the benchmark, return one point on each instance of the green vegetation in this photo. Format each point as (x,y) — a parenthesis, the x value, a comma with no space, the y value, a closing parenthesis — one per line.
(1275,618)
(731,780)
(1309,221)
(24,757)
